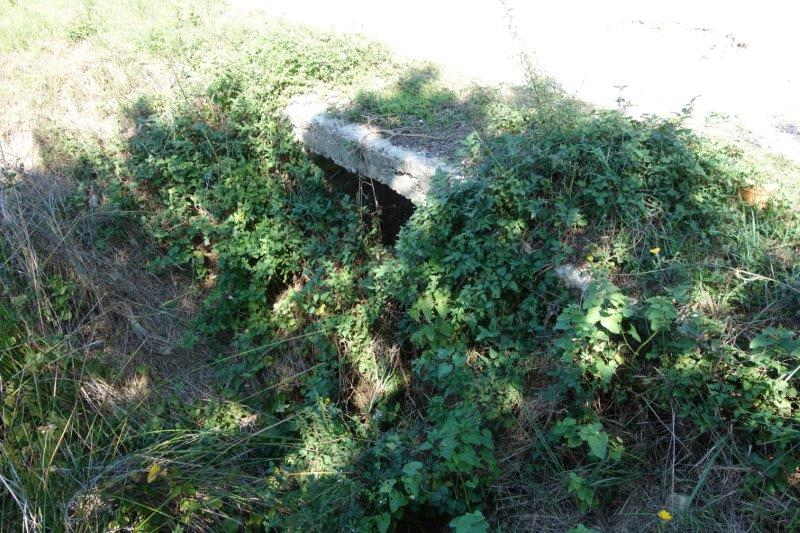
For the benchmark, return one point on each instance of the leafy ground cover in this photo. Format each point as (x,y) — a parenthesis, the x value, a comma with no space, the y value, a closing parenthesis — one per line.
(200,333)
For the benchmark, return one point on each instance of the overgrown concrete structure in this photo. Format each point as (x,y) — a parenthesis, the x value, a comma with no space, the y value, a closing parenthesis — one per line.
(362,149)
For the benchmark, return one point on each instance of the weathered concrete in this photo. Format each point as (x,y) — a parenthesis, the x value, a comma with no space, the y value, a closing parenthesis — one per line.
(362,150)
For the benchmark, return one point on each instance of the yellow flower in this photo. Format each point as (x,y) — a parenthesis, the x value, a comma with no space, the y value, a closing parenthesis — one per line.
(655,251)
(665,515)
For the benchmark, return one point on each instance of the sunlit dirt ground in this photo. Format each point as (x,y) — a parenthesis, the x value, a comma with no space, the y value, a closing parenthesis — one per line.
(736,61)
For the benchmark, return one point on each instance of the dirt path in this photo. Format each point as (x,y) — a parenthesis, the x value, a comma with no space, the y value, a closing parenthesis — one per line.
(733,61)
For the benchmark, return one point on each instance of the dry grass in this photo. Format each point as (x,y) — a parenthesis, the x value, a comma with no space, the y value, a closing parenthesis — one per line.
(77,66)
(70,70)
(118,311)
(114,314)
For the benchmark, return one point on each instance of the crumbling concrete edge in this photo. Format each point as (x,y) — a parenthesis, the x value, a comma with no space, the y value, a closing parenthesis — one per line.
(362,150)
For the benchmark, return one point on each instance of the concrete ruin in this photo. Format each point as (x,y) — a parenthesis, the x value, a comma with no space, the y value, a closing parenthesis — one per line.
(361,149)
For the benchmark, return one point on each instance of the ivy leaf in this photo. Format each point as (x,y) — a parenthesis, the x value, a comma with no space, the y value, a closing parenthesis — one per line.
(396,500)
(411,478)
(594,315)
(605,370)
(383,521)
(444,370)
(582,490)
(563,427)
(412,468)
(441,302)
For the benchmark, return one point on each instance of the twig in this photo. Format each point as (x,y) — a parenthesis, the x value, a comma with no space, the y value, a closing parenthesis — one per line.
(672,445)
(399,133)
(393,133)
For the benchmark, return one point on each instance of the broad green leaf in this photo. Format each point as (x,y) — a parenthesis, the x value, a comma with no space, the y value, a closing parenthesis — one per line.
(594,314)
(412,479)
(383,521)
(596,438)
(473,522)
(396,500)
(612,323)
(660,313)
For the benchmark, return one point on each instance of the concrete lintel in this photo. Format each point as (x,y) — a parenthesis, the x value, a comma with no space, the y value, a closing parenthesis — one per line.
(361,149)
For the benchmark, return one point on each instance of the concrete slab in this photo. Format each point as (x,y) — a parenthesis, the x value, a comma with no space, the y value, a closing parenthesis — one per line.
(361,149)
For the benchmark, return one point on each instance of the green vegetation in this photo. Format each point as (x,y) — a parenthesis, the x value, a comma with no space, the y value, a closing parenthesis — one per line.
(418,96)
(198,333)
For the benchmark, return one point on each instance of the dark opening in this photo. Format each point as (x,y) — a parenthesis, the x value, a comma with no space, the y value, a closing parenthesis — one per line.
(391,209)
(423,518)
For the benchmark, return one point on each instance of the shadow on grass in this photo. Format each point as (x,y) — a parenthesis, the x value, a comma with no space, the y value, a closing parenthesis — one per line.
(418,111)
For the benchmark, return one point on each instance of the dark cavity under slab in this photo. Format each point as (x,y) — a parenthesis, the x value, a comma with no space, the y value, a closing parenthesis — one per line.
(380,201)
